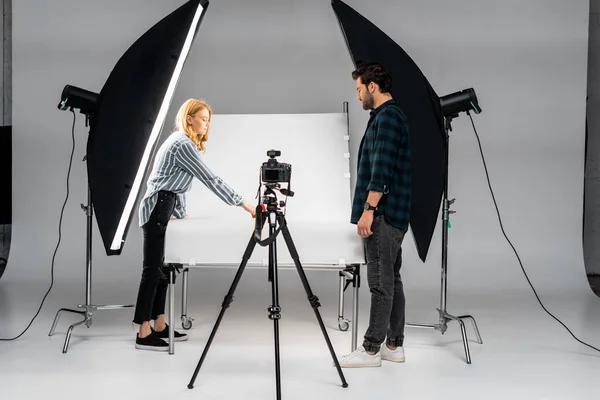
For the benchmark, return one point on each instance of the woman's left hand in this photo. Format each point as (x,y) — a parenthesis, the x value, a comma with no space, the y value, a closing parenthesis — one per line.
(250,208)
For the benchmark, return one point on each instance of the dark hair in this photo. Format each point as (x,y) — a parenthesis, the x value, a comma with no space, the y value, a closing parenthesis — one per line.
(374,72)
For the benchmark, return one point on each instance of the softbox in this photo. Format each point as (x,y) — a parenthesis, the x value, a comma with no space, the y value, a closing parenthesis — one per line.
(421,105)
(130,114)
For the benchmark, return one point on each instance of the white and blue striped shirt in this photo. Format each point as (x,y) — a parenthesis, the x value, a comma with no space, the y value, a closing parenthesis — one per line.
(177,162)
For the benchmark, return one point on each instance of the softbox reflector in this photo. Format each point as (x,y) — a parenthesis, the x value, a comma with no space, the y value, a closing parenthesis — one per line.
(421,105)
(131,111)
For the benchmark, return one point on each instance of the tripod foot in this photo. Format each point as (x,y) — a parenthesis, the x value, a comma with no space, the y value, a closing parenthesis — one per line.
(190,386)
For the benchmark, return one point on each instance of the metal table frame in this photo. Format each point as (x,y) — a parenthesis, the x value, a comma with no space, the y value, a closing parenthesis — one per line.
(348,275)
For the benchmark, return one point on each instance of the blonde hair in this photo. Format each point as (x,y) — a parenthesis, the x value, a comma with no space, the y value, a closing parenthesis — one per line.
(191,107)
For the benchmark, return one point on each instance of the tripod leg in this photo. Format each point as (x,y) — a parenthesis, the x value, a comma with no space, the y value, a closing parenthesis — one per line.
(313,300)
(274,309)
(226,302)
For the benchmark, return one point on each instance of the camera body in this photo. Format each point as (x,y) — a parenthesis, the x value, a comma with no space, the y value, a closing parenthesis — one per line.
(275,172)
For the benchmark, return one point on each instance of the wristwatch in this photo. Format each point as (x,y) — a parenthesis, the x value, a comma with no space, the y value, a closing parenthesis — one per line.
(369,207)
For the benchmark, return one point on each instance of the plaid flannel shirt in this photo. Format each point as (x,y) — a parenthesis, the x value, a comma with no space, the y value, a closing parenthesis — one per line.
(384,166)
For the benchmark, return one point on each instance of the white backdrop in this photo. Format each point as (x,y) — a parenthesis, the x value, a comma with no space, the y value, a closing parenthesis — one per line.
(316,146)
(526,60)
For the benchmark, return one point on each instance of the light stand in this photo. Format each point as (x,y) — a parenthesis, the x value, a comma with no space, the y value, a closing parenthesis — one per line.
(88,307)
(451,106)
(444,316)
(275,216)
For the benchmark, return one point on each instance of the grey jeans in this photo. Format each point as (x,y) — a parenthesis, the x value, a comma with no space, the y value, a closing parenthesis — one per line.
(384,259)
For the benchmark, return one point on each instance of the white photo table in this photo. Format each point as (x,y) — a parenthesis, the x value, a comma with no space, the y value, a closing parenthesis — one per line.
(214,235)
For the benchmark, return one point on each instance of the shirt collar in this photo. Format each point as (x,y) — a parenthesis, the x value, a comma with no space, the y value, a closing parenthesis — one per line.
(377,110)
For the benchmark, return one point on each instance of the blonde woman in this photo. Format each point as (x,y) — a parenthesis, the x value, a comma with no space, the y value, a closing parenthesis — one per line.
(177,162)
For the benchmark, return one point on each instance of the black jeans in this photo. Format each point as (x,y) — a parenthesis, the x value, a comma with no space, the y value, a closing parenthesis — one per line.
(152,293)
(384,259)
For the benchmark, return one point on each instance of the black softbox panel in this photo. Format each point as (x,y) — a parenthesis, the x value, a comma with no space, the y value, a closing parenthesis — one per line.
(421,105)
(128,106)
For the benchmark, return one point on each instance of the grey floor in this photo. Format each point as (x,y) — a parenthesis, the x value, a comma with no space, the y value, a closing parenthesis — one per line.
(525,353)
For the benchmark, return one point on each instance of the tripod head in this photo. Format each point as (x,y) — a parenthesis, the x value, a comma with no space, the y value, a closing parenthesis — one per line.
(269,198)
(268,207)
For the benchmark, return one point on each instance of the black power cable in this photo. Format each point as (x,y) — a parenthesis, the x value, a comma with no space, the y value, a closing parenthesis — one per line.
(59,235)
(509,242)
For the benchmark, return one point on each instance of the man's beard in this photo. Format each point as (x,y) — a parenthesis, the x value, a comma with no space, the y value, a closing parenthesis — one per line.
(368,103)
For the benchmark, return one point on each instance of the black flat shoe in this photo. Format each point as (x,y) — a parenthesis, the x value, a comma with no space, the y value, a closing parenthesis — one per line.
(151,342)
(164,335)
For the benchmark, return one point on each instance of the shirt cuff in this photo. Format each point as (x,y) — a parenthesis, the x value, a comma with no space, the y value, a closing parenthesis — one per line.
(377,188)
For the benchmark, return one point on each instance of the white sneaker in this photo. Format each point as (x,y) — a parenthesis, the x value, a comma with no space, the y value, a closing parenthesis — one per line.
(360,358)
(392,355)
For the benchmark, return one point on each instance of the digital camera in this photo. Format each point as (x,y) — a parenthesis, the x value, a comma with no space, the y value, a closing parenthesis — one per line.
(274,171)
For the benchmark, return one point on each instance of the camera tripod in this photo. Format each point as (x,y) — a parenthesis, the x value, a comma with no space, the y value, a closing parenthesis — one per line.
(275,216)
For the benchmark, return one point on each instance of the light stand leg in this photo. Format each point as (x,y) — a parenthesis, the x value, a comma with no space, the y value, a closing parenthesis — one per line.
(462,317)
(312,299)
(58,316)
(226,303)
(444,316)
(88,307)
(70,330)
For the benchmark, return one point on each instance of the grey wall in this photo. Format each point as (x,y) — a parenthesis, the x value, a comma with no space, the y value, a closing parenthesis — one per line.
(527,61)
(592,175)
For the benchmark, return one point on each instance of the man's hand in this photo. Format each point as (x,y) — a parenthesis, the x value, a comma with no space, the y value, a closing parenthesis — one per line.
(250,208)
(364,224)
